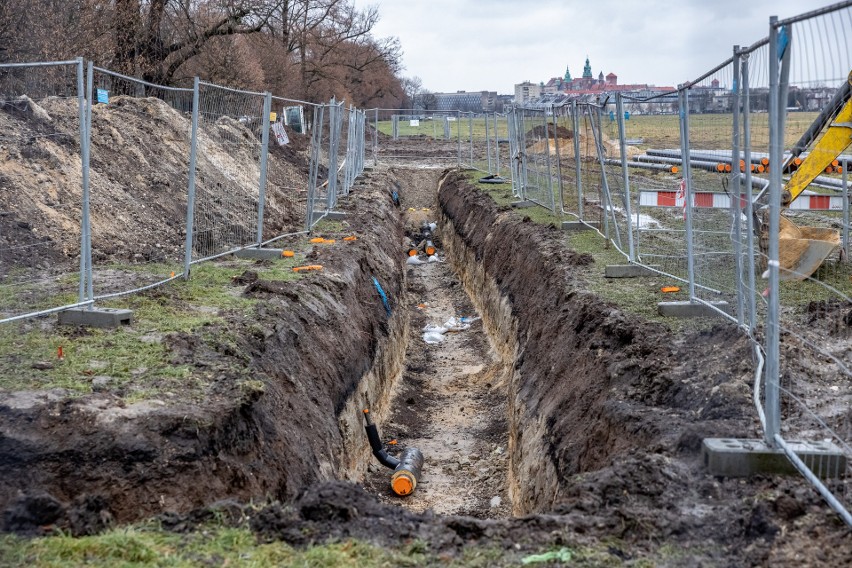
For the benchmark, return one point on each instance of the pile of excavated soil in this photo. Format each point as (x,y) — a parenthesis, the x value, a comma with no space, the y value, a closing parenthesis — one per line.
(139,177)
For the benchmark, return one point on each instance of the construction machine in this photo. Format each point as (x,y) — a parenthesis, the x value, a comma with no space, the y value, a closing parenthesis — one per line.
(803,249)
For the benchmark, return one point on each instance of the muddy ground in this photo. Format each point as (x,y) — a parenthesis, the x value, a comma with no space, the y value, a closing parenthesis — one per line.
(555,420)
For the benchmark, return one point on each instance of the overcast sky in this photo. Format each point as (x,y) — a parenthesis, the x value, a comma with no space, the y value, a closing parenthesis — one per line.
(476,45)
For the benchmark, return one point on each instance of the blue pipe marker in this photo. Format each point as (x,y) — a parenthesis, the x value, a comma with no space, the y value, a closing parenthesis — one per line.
(383,295)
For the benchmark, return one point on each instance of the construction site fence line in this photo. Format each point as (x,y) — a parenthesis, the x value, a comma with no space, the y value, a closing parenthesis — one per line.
(725,248)
(351,166)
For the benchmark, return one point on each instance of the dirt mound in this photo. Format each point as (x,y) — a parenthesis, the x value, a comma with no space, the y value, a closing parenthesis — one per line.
(550,131)
(139,176)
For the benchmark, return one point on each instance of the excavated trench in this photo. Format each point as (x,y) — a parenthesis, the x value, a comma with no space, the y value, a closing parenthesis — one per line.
(551,382)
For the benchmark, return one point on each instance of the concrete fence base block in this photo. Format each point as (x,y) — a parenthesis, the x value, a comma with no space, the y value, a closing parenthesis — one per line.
(331,215)
(687,309)
(578,226)
(628,271)
(96,317)
(522,204)
(730,457)
(259,254)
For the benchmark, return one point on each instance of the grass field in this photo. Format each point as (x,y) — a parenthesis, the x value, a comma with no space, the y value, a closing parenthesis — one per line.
(707,131)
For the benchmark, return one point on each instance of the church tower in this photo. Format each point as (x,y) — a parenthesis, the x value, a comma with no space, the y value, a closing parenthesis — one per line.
(567,77)
(587,70)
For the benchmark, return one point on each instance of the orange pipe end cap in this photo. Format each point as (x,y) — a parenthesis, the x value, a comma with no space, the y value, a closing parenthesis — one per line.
(402,483)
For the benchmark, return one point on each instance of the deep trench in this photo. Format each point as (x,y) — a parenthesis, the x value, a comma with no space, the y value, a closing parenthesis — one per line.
(450,400)
(501,414)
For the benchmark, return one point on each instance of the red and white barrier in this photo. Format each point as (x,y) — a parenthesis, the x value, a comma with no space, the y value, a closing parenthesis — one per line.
(713,200)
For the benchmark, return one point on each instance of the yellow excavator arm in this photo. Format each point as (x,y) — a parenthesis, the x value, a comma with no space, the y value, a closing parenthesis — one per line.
(837,137)
(803,249)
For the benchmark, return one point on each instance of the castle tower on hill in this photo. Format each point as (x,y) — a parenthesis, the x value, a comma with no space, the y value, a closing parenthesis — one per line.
(567,77)
(587,70)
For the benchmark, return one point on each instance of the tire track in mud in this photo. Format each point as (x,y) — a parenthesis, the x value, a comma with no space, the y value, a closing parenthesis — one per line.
(450,401)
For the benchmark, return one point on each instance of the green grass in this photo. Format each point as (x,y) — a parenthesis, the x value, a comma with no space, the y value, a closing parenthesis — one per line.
(220,546)
(214,545)
(134,357)
(435,128)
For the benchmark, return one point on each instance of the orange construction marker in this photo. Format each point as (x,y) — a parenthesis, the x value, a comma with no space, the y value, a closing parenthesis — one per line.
(287,253)
(669,289)
(307,268)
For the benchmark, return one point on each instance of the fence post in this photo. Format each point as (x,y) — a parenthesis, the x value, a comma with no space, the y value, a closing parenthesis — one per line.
(577,165)
(845,180)
(622,141)
(750,228)
(333,136)
(316,143)
(737,190)
(488,143)
(549,166)
(470,130)
(264,154)
(683,99)
(458,131)
(558,158)
(521,133)
(84,110)
(376,140)
(190,198)
(496,143)
(773,335)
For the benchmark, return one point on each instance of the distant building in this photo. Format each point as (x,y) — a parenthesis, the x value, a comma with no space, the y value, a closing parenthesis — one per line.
(475,101)
(526,91)
(586,87)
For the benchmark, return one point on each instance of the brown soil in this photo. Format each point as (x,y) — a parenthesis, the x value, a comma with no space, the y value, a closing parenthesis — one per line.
(586,421)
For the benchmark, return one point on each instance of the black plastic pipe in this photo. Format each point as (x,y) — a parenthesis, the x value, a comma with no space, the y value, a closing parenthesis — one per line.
(376,444)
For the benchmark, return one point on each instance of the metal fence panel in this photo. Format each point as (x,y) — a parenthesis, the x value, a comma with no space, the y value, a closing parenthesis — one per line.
(226,198)
(138,227)
(42,131)
(809,311)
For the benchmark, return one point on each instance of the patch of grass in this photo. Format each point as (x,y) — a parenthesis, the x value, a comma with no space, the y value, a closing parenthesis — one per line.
(218,546)
(134,358)
(634,295)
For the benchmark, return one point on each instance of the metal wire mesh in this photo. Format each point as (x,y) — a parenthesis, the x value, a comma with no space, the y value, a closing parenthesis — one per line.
(715,229)
(288,170)
(815,314)
(410,136)
(137,231)
(535,148)
(40,235)
(227,185)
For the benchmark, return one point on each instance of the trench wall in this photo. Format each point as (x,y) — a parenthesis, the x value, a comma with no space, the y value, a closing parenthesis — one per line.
(283,409)
(570,355)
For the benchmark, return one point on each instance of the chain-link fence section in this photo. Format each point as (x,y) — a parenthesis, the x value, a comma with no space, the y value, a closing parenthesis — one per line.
(713,217)
(410,136)
(229,151)
(42,131)
(809,306)
(655,178)
(533,157)
(288,169)
(138,183)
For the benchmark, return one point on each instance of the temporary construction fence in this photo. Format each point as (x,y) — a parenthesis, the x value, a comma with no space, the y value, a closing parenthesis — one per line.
(690,184)
(43,118)
(466,139)
(221,165)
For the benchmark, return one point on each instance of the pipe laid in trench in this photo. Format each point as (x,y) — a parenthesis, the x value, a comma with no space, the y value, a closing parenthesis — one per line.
(407,468)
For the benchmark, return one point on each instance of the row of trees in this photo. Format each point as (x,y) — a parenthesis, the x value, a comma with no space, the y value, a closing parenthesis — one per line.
(306,49)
